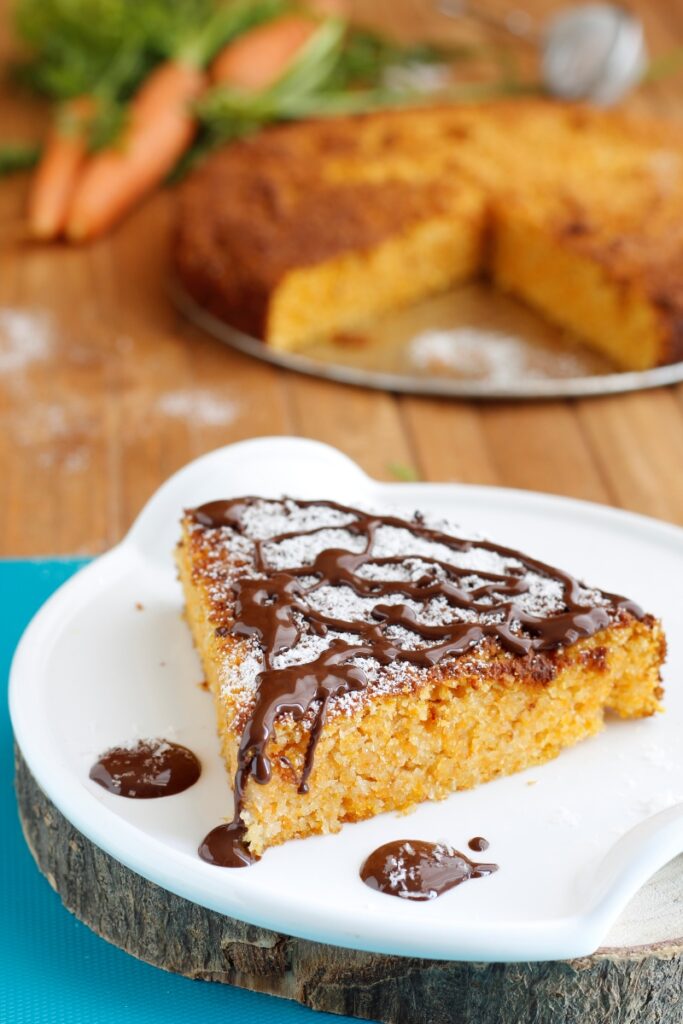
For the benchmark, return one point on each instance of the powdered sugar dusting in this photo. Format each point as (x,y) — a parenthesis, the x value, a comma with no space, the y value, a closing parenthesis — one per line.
(292,536)
(474,353)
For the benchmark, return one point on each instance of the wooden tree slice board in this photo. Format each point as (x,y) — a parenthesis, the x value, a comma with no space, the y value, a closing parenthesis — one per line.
(636,978)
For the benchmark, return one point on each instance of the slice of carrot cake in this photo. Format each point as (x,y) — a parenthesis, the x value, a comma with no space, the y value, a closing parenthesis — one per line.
(363,662)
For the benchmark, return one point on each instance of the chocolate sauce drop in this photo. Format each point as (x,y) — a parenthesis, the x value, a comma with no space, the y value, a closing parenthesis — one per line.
(271,608)
(478,844)
(224,846)
(150,769)
(415,870)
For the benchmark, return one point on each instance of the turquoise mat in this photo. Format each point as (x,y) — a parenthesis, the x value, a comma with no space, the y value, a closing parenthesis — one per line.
(53,970)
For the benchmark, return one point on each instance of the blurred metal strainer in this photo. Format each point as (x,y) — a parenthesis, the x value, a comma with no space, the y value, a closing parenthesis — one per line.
(594,52)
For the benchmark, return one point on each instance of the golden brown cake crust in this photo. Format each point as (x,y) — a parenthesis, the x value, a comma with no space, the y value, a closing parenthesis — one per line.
(275,222)
(607,185)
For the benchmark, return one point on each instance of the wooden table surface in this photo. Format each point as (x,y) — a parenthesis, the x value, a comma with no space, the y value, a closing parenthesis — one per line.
(105,391)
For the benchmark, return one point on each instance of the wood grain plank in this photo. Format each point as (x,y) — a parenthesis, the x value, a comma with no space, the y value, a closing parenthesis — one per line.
(364,424)
(638,442)
(539,446)
(53,410)
(536,446)
(449,440)
(181,392)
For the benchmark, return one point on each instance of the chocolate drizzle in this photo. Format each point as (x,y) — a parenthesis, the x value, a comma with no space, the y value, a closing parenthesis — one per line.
(150,769)
(273,608)
(415,870)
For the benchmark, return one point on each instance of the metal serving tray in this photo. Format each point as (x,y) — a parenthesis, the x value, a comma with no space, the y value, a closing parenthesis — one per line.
(472,342)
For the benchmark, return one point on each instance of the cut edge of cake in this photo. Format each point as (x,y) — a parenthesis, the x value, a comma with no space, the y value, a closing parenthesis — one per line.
(425,257)
(571,270)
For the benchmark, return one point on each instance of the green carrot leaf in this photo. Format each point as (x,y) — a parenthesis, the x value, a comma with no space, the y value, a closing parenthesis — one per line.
(18,157)
(225,23)
(402,471)
(73,44)
(664,65)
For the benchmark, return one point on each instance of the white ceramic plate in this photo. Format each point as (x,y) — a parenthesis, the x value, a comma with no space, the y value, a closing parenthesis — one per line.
(93,670)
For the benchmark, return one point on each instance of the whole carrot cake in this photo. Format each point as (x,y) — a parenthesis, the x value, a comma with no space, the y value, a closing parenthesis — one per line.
(363,662)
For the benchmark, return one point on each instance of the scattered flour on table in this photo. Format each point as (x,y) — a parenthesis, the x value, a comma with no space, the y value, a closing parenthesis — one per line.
(206,407)
(72,463)
(25,338)
(58,435)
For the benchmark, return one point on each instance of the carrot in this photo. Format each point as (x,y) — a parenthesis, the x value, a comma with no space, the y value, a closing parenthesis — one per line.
(160,128)
(259,57)
(62,158)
